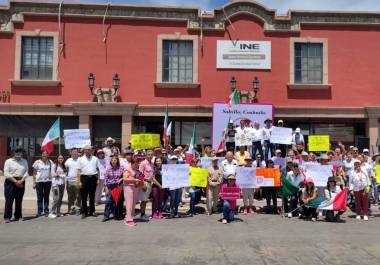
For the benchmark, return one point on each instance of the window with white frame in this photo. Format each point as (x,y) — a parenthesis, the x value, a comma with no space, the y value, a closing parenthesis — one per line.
(308,63)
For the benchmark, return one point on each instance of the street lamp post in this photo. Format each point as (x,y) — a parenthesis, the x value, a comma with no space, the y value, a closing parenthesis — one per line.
(100,91)
(256,87)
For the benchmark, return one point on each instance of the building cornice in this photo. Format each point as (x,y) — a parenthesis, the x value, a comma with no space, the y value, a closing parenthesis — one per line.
(195,19)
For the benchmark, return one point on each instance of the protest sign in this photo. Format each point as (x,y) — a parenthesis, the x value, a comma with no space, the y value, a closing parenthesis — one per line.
(279,161)
(198,177)
(222,113)
(378,173)
(145,141)
(319,173)
(175,176)
(246,177)
(319,143)
(206,162)
(76,138)
(281,135)
(230,193)
(268,177)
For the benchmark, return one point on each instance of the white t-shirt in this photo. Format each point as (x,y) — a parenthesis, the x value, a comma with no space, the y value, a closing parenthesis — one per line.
(88,166)
(72,167)
(43,170)
(58,176)
(229,168)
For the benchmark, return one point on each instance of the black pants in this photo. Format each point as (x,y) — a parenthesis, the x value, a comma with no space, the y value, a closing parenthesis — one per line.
(43,192)
(13,193)
(270,194)
(88,191)
(256,146)
(283,148)
(308,212)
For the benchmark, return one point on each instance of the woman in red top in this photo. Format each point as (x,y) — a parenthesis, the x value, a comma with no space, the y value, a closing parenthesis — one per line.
(229,205)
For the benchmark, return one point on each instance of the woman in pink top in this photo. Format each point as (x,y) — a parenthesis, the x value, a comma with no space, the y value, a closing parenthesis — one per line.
(130,191)
(229,205)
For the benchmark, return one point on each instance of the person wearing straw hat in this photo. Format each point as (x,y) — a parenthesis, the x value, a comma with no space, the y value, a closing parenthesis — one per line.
(214,180)
(88,173)
(109,142)
(229,206)
(267,131)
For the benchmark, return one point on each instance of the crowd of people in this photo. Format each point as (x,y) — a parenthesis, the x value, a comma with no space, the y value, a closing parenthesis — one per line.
(130,177)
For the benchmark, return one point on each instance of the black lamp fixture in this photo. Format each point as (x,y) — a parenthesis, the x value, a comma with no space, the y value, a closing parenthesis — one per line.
(233,84)
(91,82)
(116,82)
(256,87)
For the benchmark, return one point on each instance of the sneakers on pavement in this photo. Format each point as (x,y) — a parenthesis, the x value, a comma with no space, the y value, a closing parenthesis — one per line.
(224,221)
(290,215)
(358,217)
(52,216)
(130,223)
(365,218)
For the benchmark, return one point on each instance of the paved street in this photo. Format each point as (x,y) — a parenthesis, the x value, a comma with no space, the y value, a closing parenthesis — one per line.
(258,239)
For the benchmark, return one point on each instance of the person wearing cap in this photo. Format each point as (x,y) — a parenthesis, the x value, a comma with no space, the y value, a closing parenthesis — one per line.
(283,147)
(229,206)
(248,192)
(241,155)
(298,140)
(15,173)
(359,184)
(309,193)
(229,165)
(297,179)
(331,191)
(278,159)
(42,176)
(214,180)
(125,161)
(88,173)
(73,191)
(257,139)
(267,131)
(109,142)
(103,165)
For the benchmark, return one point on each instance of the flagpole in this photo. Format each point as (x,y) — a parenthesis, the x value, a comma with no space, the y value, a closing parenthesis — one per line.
(59,138)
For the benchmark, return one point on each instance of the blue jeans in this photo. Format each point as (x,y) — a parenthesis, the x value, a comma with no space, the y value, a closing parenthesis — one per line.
(269,146)
(256,146)
(174,200)
(192,201)
(43,191)
(228,213)
(293,202)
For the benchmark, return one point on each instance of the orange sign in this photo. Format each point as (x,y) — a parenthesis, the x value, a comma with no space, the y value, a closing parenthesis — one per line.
(270,173)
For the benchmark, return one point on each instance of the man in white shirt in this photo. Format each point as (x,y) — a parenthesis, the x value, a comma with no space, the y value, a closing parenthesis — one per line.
(15,173)
(267,131)
(73,191)
(257,140)
(298,141)
(88,171)
(229,165)
(243,135)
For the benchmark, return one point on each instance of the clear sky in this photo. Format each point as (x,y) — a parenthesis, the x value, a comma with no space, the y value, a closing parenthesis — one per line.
(281,5)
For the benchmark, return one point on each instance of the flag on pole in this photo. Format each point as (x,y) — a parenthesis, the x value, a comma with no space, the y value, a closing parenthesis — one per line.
(169,130)
(287,188)
(234,98)
(338,203)
(53,133)
(191,152)
(222,141)
(165,134)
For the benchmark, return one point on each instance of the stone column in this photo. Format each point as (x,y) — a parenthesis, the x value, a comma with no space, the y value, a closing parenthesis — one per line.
(373,128)
(126,129)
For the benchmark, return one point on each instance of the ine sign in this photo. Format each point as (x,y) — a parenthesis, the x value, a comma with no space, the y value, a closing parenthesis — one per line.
(243,54)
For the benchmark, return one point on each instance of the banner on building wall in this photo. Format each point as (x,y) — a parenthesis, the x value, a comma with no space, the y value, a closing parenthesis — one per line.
(319,142)
(222,112)
(243,54)
(76,138)
(145,141)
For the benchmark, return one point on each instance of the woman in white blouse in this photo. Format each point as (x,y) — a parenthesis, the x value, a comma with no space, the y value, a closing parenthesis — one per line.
(59,175)
(359,183)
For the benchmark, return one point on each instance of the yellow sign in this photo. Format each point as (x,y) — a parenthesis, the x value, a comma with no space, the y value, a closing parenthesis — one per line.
(198,177)
(145,141)
(378,173)
(319,143)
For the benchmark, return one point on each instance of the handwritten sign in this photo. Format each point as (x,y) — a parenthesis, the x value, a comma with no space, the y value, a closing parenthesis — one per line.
(319,173)
(268,177)
(198,177)
(279,162)
(175,176)
(281,135)
(319,143)
(230,193)
(378,173)
(76,138)
(145,141)
(246,177)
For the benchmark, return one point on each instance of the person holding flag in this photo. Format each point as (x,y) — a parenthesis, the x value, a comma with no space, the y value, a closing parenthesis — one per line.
(53,134)
(331,192)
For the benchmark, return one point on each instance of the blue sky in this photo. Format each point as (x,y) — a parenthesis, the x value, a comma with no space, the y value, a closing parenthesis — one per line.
(281,5)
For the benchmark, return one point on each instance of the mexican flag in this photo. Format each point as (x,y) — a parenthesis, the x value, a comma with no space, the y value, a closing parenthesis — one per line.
(338,203)
(191,152)
(287,188)
(165,134)
(222,140)
(234,98)
(53,133)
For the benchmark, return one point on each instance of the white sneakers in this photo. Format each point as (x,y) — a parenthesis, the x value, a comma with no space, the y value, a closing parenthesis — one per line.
(358,217)
(52,216)
(313,219)
(365,218)
(290,215)
(224,221)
